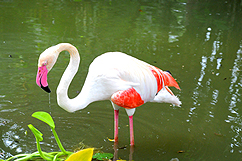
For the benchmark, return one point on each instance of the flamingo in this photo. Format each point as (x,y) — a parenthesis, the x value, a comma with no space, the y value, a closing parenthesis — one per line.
(124,80)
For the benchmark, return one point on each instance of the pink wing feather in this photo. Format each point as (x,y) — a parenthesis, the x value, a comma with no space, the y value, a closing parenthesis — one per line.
(162,76)
(129,98)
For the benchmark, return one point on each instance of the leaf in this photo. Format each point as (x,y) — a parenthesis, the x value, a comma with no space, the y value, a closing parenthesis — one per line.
(101,156)
(112,140)
(83,155)
(45,117)
(36,132)
(181,151)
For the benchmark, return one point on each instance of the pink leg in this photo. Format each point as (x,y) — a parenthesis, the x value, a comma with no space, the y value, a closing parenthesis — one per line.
(116,125)
(131,128)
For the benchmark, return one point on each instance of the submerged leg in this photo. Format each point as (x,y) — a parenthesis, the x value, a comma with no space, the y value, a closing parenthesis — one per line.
(116,112)
(131,128)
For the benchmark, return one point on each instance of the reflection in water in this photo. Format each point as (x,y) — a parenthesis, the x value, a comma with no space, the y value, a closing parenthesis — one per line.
(3,102)
(116,149)
(234,118)
(11,139)
(212,67)
(197,91)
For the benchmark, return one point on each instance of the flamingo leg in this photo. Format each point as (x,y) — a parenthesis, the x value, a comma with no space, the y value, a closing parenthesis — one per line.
(116,112)
(131,128)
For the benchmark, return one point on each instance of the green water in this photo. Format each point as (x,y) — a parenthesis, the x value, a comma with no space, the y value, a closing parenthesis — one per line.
(200,43)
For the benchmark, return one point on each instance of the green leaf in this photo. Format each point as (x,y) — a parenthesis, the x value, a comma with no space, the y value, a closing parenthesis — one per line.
(36,132)
(101,156)
(83,155)
(45,117)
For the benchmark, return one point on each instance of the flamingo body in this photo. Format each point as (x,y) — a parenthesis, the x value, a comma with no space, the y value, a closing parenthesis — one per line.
(125,80)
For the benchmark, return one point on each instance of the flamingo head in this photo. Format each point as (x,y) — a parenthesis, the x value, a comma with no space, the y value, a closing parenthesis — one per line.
(46,61)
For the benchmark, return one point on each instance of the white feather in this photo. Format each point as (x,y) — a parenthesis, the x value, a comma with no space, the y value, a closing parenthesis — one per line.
(164,96)
(108,73)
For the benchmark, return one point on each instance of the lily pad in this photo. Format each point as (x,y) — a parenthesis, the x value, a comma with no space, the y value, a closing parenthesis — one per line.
(102,156)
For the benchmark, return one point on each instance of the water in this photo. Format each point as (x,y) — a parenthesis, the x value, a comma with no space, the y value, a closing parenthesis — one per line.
(199,42)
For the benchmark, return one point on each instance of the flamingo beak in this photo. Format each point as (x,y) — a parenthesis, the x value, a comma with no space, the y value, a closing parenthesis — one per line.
(41,78)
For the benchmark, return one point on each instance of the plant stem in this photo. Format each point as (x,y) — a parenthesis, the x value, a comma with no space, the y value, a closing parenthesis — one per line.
(56,157)
(16,156)
(27,157)
(40,151)
(58,142)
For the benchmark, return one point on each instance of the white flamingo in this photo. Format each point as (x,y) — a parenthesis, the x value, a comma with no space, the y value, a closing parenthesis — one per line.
(125,80)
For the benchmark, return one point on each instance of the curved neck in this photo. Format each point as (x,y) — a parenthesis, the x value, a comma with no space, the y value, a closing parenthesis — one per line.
(72,67)
(62,90)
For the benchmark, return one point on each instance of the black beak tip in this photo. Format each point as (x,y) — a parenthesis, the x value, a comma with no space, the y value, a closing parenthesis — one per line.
(46,89)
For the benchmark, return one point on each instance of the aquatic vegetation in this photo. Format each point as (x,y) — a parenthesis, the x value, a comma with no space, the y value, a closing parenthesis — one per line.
(83,155)
(103,156)
(80,155)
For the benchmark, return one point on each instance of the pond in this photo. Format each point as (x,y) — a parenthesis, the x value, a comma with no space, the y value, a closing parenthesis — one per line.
(199,42)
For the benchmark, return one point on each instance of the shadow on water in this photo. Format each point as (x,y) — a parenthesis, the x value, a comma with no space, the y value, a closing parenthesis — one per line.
(198,41)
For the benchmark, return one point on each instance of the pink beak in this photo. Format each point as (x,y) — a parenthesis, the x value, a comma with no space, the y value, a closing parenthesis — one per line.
(41,78)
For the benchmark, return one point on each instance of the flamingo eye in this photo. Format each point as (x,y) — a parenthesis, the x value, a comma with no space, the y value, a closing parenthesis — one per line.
(45,63)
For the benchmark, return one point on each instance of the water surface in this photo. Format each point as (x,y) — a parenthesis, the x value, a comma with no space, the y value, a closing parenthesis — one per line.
(199,42)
